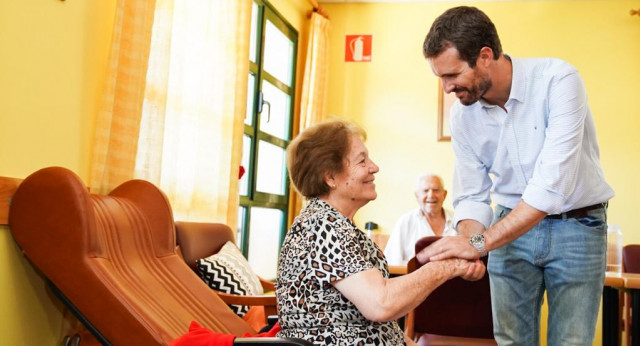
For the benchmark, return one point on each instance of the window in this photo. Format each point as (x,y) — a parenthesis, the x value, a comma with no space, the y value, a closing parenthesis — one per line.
(264,188)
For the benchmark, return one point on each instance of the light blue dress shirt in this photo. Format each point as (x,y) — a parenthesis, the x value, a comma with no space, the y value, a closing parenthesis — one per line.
(542,150)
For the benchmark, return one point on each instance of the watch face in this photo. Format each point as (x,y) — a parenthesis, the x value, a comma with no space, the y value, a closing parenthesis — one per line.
(477,239)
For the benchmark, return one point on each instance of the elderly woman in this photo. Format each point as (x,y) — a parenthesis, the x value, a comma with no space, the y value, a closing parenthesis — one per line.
(333,284)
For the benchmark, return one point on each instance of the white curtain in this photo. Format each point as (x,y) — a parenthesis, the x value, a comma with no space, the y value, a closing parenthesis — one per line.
(189,124)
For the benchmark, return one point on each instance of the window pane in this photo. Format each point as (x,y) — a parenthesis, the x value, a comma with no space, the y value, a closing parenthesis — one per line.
(251,85)
(254,33)
(275,117)
(264,240)
(246,154)
(270,171)
(242,211)
(278,54)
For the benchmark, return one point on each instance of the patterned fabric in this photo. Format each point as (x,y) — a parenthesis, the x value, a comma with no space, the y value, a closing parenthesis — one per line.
(229,272)
(322,247)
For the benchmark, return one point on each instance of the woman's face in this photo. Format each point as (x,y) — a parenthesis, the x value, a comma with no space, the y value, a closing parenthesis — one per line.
(355,182)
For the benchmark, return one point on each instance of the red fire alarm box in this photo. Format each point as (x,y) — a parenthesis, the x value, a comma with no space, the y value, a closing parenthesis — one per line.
(357,48)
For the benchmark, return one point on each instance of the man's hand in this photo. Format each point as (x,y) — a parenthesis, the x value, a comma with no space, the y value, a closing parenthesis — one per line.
(448,247)
(454,247)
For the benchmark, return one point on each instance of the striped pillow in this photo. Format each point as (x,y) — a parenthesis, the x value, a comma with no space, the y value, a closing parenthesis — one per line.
(229,272)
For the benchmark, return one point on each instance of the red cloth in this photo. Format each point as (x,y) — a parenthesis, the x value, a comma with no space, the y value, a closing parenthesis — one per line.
(240,172)
(200,336)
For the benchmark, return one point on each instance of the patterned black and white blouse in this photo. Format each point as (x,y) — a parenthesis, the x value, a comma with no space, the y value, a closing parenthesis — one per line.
(321,247)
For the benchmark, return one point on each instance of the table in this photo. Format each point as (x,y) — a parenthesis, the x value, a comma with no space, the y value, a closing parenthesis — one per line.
(380,239)
(611,309)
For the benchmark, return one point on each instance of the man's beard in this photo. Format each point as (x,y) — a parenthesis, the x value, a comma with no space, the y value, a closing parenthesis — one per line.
(476,92)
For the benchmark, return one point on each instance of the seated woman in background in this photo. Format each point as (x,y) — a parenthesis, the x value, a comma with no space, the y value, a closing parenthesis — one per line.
(333,284)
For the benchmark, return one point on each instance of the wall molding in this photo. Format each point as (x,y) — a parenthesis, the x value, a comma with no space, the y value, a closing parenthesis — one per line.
(8,187)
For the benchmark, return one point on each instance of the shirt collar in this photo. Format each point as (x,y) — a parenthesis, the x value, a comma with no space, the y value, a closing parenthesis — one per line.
(518,83)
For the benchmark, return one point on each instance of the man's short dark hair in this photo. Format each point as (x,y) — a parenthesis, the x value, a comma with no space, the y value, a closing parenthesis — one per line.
(467,29)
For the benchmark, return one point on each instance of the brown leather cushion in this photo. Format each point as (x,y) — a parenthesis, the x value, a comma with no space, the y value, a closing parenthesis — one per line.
(114,257)
(631,258)
(201,240)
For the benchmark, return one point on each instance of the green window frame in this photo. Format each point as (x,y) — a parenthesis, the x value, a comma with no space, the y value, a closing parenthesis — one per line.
(264,189)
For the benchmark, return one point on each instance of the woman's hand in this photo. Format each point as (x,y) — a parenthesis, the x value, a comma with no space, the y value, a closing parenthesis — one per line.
(468,270)
(475,272)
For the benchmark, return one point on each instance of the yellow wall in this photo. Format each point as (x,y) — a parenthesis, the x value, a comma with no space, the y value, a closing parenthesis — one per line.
(395,95)
(53,56)
(52,62)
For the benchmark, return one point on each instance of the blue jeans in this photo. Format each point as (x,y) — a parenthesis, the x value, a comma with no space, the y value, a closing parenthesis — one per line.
(567,257)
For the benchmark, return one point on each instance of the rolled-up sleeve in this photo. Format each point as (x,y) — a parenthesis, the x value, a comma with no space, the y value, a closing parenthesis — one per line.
(478,211)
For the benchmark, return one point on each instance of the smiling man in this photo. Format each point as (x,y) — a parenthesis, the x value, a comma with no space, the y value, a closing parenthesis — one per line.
(428,219)
(524,138)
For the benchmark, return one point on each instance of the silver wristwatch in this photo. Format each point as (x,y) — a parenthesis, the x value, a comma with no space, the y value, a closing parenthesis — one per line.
(477,241)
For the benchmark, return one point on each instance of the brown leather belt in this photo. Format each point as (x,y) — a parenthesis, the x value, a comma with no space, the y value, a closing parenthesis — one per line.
(576,213)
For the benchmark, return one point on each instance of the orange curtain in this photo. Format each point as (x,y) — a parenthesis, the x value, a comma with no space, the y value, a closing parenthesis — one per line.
(188,126)
(313,102)
(118,121)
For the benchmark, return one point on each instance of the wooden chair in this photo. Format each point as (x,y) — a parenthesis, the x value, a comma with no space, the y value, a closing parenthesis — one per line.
(630,264)
(458,312)
(113,260)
